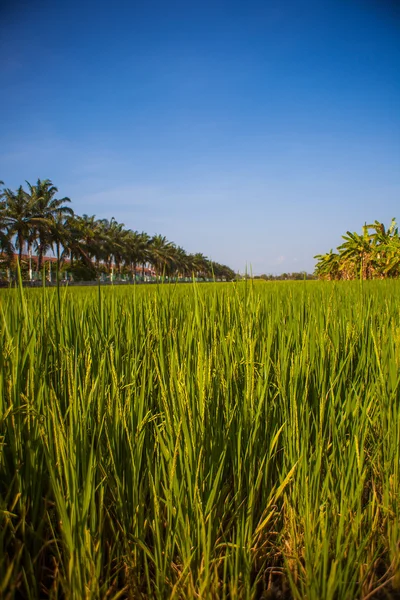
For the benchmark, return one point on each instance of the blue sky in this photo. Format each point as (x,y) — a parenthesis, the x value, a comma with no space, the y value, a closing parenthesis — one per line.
(255,132)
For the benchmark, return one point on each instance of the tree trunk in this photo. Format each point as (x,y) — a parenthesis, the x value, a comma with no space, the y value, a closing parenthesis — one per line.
(58,260)
(20,246)
(40,257)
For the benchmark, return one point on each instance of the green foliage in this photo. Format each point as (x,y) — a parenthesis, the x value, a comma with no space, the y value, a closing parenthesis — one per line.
(375,254)
(82,271)
(220,441)
(36,220)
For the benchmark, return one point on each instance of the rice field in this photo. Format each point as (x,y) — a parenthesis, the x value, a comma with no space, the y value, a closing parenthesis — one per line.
(213,441)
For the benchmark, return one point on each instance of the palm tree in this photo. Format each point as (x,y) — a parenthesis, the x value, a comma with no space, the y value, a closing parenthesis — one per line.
(113,243)
(228,273)
(182,262)
(161,253)
(135,250)
(200,265)
(144,245)
(222,271)
(47,208)
(83,241)
(37,217)
(6,246)
(20,218)
(60,235)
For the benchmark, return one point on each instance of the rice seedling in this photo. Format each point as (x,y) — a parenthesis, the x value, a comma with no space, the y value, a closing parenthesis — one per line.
(200,441)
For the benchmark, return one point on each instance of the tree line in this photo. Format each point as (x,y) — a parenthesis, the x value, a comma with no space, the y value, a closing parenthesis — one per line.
(34,222)
(293,276)
(373,254)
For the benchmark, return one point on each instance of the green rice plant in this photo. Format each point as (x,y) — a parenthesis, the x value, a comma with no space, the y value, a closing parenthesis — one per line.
(200,441)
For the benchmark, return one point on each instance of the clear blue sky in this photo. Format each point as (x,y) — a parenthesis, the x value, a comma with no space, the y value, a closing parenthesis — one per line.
(256,132)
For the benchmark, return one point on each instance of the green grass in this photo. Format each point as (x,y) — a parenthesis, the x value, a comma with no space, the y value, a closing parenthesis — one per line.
(200,441)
